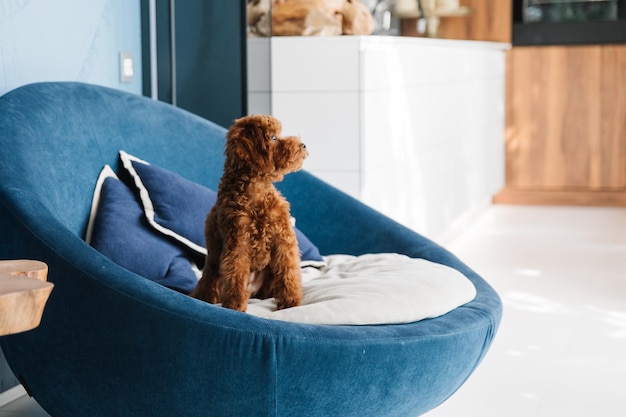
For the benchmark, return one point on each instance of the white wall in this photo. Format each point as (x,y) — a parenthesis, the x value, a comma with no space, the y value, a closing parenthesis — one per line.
(68,40)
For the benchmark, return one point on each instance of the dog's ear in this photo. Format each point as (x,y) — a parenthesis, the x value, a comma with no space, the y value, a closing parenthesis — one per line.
(249,142)
(258,127)
(237,145)
(251,131)
(244,143)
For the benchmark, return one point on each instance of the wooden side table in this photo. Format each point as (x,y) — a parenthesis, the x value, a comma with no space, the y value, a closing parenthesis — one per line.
(23,294)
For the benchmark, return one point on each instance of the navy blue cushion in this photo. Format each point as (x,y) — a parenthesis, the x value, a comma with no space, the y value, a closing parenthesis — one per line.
(121,232)
(177,207)
(309,253)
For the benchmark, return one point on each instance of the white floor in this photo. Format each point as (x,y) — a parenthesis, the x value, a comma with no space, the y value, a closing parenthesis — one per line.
(561,347)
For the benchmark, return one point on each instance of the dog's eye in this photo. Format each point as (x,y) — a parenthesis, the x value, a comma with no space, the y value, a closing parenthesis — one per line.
(274,138)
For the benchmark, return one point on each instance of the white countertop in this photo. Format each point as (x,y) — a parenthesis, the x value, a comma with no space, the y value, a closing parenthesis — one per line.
(392,40)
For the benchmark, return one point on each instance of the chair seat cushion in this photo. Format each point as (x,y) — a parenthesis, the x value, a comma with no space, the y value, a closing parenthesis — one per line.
(373,289)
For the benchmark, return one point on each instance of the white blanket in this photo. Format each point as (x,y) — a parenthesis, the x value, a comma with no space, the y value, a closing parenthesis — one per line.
(372,289)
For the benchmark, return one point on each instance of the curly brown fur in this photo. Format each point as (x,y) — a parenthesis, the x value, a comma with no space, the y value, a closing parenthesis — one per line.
(252,247)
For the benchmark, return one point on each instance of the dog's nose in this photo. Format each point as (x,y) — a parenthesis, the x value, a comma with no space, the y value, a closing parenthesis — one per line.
(303,146)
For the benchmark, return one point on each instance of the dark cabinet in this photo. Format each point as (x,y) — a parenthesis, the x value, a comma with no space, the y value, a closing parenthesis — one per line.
(194,56)
(568,22)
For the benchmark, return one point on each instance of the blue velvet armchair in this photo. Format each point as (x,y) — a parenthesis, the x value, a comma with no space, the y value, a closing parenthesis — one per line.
(113,344)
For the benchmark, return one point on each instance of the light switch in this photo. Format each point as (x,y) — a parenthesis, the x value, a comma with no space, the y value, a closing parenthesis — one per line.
(126,67)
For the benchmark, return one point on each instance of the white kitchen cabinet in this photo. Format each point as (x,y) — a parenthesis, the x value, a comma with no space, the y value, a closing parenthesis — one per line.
(413,127)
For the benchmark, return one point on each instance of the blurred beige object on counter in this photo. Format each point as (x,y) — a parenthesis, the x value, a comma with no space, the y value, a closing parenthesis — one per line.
(407,8)
(442,6)
(320,18)
(430,13)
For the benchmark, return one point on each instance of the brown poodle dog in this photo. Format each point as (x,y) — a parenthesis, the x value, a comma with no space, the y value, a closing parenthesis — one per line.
(252,247)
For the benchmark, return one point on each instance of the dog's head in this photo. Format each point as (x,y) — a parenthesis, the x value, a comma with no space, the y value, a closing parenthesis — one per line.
(254,146)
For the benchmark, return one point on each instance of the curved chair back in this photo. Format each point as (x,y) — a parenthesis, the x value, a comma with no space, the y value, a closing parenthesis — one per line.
(60,142)
(113,343)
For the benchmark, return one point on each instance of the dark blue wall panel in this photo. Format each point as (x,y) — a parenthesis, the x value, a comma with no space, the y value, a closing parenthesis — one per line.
(201,56)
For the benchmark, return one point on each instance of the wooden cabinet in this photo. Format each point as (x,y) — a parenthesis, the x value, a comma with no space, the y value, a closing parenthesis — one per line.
(565,113)
(566,125)
(489,21)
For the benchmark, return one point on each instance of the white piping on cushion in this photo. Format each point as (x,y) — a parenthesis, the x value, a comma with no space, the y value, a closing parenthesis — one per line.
(148,207)
(106,172)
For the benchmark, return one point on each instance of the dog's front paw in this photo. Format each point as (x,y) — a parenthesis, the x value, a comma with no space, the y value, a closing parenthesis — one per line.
(287,303)
(206,292)
(235,305)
